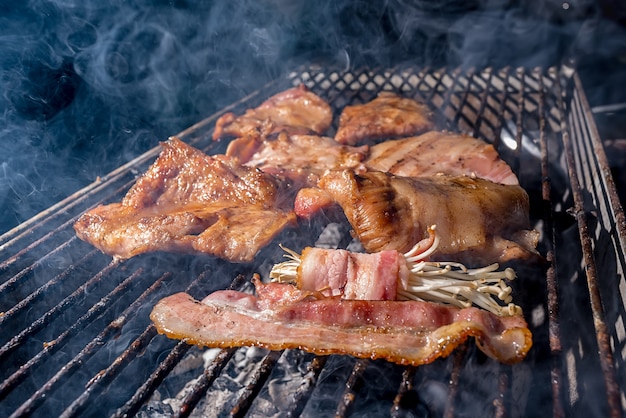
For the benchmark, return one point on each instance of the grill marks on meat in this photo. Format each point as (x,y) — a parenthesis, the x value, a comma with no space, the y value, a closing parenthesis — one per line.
(295,111)
(191,202)
(387,116)
(440,152)
(303,159)
(478,221)
(403,332)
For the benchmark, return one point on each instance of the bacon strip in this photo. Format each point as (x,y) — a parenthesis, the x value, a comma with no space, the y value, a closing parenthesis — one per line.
(403,332)
(352,275)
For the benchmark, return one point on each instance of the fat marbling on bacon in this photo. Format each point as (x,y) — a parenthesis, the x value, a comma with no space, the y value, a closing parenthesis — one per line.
(391,275)
(283,317)
(188,201)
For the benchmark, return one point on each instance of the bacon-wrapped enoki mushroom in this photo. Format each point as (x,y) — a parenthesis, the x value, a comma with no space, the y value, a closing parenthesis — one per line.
(390,275)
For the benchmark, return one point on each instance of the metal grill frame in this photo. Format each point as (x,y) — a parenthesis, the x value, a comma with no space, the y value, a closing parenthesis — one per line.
(75,324)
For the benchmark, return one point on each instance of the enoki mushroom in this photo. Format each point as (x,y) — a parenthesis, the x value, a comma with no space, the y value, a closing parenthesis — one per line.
(436,281)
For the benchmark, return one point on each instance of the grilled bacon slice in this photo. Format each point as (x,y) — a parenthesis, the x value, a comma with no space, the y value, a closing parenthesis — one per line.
(336,272)
(387,116)
(283,317)
(480,222)
(437,152)
(188,201)
(295,111)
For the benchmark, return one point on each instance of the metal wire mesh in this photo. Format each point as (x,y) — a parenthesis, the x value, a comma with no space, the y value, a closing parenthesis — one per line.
(76,339)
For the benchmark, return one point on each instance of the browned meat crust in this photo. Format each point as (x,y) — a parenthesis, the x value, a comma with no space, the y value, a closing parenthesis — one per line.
(191,202)
(387,116)
(440,152)
(295,111)
(479,222)
(301,158)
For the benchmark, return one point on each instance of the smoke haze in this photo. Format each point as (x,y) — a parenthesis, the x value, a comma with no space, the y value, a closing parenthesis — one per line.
(88,85)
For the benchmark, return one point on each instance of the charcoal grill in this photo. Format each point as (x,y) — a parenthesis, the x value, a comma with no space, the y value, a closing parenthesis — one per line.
(76,338)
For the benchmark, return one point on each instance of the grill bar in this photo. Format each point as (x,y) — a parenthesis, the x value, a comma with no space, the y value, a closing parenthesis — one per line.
(89,350)
(258,380)
(41,291)
(305,390)
(403,399)
(206,380)
(142,394)
(540,112)
(459,358)
(45,320)
(602,334)
(105,377)
(554,331)
(353,385)
(56,344)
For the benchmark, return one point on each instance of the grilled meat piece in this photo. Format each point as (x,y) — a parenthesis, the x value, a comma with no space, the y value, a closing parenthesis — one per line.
(190,202)
(337,272)
(301,158)
(283,317)
(387,116)
(295,111)
(440,152)
(479,222)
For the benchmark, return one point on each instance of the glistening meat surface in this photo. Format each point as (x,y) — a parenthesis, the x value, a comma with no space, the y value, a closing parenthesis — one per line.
(479,222)
(303,159)
(440,152)
(387,116)
(403,332)
(295,111)
(190,202)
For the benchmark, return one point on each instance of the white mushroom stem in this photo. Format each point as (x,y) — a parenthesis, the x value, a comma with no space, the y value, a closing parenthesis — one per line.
(443,282)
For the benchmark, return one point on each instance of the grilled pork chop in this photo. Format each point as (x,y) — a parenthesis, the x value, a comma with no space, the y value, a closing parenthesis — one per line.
(304,158)
(301,158)
(387,116)
(295,111)
(479,222)
(440,152)
(190,202)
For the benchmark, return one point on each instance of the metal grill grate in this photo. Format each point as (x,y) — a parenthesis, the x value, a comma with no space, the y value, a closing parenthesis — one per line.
(76,339)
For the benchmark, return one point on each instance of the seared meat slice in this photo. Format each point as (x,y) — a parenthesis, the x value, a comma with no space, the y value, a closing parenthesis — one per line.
(295,111)
(440,152)
(301,158)
(478,221)
(283,317)
(387,116)
(191,202)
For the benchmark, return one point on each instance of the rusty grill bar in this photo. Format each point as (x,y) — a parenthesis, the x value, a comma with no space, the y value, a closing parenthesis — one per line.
(76,339)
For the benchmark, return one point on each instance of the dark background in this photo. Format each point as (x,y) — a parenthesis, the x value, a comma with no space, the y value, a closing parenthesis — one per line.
(88,85)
